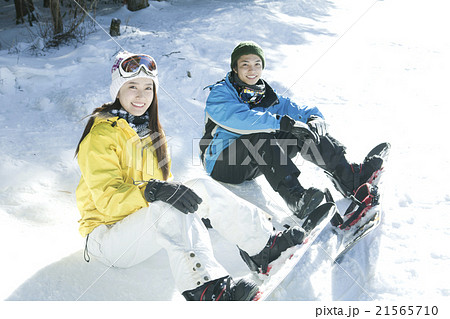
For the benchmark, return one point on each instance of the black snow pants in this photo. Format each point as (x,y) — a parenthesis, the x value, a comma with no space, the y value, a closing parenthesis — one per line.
(271,154)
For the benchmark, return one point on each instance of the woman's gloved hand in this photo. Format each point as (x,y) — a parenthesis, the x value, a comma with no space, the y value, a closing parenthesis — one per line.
(176,194)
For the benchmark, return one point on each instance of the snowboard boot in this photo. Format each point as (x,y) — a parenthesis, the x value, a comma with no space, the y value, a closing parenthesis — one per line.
(223,289)
(300,201)
(349,177)
(275,246)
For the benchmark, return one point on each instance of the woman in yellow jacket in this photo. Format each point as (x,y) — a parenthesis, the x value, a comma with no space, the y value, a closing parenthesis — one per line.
(130,207)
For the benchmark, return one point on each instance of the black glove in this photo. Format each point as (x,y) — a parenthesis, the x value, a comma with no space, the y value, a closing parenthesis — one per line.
(176,194)
(299,129)
(318,125)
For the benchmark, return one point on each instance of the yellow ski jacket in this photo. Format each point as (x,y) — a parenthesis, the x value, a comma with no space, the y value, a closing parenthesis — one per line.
(114,164)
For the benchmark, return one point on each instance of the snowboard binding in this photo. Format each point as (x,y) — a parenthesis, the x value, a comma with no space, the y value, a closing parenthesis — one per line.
(365,198)
(292,236)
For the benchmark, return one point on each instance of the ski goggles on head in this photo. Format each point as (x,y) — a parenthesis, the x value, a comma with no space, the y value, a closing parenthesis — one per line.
(133,65)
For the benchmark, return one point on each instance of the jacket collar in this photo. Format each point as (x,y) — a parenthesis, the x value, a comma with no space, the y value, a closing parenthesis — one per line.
(114,121)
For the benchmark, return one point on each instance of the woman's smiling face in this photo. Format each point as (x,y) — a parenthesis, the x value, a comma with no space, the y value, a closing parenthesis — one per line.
(136,95)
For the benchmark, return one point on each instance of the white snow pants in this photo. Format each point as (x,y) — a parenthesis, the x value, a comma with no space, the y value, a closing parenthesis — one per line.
(183,236)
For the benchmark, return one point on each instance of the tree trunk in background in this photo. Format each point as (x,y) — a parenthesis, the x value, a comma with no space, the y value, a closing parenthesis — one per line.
(114,29)
(134,5)
(23,7)
(56,15)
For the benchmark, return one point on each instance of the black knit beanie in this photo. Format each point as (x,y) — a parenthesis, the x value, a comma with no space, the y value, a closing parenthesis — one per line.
(244,48)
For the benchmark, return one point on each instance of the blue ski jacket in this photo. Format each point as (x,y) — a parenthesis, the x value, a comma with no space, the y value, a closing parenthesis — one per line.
(227,118)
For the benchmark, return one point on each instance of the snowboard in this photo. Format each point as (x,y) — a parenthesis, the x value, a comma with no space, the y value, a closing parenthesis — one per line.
(280,268)
(364,214)
(361,231)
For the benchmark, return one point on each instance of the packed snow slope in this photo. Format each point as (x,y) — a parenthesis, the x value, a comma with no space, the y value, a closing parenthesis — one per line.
(378,71)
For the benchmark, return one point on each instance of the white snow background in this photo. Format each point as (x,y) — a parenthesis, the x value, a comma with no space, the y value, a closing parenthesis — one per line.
(378,71)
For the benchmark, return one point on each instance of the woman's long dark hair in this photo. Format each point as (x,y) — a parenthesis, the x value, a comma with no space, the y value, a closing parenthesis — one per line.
(154,125)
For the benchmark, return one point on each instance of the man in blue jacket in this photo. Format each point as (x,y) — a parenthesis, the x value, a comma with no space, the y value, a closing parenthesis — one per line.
(251,130)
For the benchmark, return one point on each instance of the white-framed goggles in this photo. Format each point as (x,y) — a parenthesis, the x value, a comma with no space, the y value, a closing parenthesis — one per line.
(133,65)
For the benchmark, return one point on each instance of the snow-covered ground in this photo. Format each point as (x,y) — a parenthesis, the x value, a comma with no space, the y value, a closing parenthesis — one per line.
(378,70)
